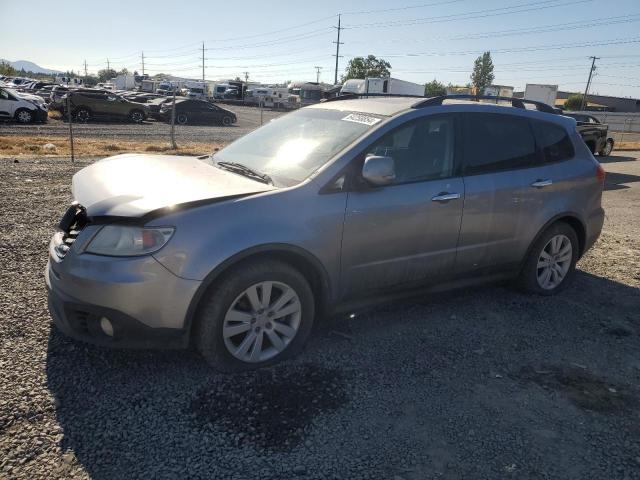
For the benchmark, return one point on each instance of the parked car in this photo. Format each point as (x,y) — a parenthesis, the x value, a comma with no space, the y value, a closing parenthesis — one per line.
(23,108)
(338,205)
(197,112)
(594,133)
(88,105)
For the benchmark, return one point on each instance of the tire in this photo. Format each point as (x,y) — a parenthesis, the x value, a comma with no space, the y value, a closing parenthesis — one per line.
(82,114)
(226,121)
(182,118)
(227,322)
(608,148)
(532,276)
(137,116)
(23,115)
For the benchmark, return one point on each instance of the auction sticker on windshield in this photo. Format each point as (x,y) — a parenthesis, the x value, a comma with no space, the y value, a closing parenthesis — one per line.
(360,118)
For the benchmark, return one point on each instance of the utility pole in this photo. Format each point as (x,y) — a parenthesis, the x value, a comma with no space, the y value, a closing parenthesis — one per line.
(586,90)
(108,66)
(318,74)
(142,63)
(85,69)
(337,55)
(202,62)
(246,77)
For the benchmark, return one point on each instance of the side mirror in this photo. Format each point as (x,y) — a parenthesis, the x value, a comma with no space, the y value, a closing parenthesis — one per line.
(379,171)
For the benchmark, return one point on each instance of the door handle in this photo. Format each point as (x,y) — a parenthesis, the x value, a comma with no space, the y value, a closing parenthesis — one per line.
(445,197)
(541,183)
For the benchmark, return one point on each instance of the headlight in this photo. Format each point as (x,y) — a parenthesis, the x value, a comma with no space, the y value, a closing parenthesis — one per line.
(126,241)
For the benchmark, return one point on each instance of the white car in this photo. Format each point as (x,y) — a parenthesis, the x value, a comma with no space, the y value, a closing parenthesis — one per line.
(23,107)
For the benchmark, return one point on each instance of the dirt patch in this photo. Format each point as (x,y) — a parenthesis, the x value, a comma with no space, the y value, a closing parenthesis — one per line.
(12,146)
(584,389)
(270,408)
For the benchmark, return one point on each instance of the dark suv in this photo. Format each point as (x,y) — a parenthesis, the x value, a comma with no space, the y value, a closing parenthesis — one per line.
(86,105)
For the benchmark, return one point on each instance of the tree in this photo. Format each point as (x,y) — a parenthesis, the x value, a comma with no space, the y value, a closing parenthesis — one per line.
(434,89)
(482,75)
(124,71)
(106,74)
(574,102)
(7,69)
(360,67)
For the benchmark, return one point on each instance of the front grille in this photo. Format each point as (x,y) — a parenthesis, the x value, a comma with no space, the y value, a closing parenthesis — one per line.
(72,223)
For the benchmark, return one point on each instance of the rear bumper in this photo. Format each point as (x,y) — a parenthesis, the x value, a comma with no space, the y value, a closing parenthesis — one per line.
(594,228)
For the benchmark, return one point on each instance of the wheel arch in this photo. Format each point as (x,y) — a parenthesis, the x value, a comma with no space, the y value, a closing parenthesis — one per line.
(573,220)
(299,258)
(21,109)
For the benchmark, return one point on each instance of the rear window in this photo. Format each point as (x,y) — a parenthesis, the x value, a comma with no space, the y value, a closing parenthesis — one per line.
(553,141)
(494,142)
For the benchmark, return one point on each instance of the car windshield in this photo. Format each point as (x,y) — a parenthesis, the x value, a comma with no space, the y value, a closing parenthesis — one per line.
(292,147)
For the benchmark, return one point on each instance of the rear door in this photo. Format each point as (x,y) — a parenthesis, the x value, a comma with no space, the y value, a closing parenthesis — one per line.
(7,104)
(405,234)
(506,190)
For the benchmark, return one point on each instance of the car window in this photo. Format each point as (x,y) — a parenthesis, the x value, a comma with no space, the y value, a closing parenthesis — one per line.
(553,141)
(494,142)
(4,95)
(421,150)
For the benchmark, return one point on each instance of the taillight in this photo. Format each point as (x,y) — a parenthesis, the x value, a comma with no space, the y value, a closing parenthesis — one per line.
(601,174)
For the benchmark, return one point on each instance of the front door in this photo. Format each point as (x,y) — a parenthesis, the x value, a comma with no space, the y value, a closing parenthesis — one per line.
(406,233)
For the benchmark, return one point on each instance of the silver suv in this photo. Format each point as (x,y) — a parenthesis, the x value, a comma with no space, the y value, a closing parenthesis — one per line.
(326,209)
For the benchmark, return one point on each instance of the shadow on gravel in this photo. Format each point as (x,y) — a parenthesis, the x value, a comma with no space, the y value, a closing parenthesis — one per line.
(271,408)
(145,414)
(616,181)
(615,159)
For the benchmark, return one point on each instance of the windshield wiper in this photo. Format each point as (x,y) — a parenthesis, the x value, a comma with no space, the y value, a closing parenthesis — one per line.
(246,171)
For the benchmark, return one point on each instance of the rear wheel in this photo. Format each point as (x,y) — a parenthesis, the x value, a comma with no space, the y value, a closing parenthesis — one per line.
(182,118)
(24,116)
(257,315)
(83,114)
(552,260)
(607,149)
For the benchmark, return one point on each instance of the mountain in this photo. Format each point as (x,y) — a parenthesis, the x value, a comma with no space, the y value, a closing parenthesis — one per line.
(29,67)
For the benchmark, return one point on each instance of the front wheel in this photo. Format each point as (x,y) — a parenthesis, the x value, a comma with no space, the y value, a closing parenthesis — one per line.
(136,116)
(551,261)
(24,116)
(607,149)
(182,119)
(258,314)
(226,121)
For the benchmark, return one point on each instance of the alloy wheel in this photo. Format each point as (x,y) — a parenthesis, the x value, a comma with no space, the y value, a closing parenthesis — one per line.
(262,321)
(137,117)
(554,262)
(24,116)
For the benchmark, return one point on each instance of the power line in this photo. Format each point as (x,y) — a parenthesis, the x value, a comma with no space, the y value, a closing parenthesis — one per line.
(521,8)
(408,7)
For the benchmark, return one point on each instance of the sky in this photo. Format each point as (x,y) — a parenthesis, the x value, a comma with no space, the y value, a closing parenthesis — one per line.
(543,41)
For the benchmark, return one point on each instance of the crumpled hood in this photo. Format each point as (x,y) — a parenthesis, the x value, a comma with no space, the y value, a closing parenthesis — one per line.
(133,185)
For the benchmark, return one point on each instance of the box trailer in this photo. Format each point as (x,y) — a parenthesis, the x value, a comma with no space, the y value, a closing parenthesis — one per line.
(541,93)
(388,85)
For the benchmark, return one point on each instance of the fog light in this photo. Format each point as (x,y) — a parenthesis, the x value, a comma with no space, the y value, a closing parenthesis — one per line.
(106,326)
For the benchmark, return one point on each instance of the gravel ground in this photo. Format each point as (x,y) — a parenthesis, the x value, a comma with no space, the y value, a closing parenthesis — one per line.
(483,383)
(248,119)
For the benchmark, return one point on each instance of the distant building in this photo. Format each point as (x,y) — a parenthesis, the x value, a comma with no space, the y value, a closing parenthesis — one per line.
(599,103)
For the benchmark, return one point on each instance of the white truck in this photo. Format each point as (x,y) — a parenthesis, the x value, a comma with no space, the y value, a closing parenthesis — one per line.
(541,93)
(198,90)
(124,82)
(388,85)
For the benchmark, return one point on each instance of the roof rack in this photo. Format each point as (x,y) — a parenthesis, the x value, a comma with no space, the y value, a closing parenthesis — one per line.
(353,96)
(515,102)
